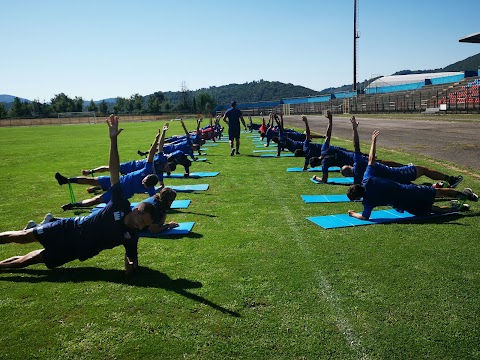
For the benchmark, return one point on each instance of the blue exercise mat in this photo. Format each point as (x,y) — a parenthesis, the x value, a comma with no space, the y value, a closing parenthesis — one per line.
(377,217)
(275,155)
(261,146)
(315,169)
(265,150)
(200,160)
(310,199)
(336,180)
(182,229)
(189,188)
(193,175)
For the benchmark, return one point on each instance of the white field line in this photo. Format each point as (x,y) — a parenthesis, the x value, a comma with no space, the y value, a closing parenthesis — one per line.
(332,299)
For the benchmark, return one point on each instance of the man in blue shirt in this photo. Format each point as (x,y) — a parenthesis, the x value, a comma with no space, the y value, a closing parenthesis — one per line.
(416,199)
(234,116)
(81,238)
(402,174)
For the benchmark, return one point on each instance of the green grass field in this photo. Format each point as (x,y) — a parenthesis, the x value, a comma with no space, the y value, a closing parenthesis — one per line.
(255,279)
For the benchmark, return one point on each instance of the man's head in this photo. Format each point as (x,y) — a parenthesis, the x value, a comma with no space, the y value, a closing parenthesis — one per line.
(233,103)
(355,192)
(275,139)
(141,217)
(150,180)
(347,170)
(169,167)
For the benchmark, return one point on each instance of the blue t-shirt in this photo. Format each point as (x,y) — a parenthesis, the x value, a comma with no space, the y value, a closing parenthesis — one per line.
(131,183)
(159,162)
(335,156)
(271,132)
(311,150)
(233,115)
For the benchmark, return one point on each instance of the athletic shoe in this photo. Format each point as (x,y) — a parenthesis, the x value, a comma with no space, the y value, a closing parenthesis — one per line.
(455,180)
(232,152)
(237,152)
(458,206)
(470,194)
(439,185)
(30,224)
(67,207)
(48,218)
(62,180)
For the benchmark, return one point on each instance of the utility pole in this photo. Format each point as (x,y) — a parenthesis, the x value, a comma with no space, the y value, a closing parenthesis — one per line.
(356,36)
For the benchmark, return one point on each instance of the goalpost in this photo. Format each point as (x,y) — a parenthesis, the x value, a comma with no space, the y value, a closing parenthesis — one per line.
(83,116)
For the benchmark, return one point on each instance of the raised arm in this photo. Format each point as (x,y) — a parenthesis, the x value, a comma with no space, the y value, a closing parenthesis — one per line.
(307,127)
(356,141)
(373,148)
(153,149)
(185,129)
(114,159)
(328,134)
(161,142)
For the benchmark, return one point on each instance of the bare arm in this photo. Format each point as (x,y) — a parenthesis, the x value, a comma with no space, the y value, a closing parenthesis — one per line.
(371,156)
(161,142)
(328,134)
(114,159)
(356,141)
(153,148)
(185,129)
(307,127)
(356,215)
(243,122)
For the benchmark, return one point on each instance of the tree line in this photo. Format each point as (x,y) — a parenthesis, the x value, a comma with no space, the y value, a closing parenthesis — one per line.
(156,103)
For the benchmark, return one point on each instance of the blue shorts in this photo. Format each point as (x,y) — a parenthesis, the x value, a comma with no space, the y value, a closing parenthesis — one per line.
(56,238)
(423,198)
(104,182)
(403,174)
(233,133)
(128,167)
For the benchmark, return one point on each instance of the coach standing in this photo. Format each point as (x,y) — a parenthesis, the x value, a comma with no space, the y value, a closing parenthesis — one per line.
(234,116)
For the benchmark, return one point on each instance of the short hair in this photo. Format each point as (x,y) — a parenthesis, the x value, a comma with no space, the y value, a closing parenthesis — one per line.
(234,103)
(315,161)
(355,192)
(150,180)
(275,139)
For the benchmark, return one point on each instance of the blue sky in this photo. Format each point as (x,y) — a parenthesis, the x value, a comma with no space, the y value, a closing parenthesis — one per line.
(107,48)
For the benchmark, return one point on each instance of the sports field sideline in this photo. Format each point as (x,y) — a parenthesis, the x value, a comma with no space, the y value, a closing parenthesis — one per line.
(254,279)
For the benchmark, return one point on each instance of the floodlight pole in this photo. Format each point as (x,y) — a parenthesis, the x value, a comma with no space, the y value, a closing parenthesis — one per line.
(355,38)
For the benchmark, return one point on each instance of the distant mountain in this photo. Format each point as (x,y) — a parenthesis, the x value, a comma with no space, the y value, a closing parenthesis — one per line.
(261,90)
(468,64)
(10,98)
(254,91)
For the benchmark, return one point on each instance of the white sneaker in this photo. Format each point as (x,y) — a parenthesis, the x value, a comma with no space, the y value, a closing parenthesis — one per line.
(48,218)
(30,224)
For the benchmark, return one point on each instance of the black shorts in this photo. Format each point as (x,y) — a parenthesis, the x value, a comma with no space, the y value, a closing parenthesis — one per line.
(56,238)
(233,133)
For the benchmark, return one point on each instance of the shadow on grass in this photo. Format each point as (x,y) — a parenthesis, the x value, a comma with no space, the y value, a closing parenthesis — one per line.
(144,277)
(445,219)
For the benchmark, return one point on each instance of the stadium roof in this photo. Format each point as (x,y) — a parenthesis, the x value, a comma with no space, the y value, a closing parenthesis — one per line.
(472,38)
(393,80)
